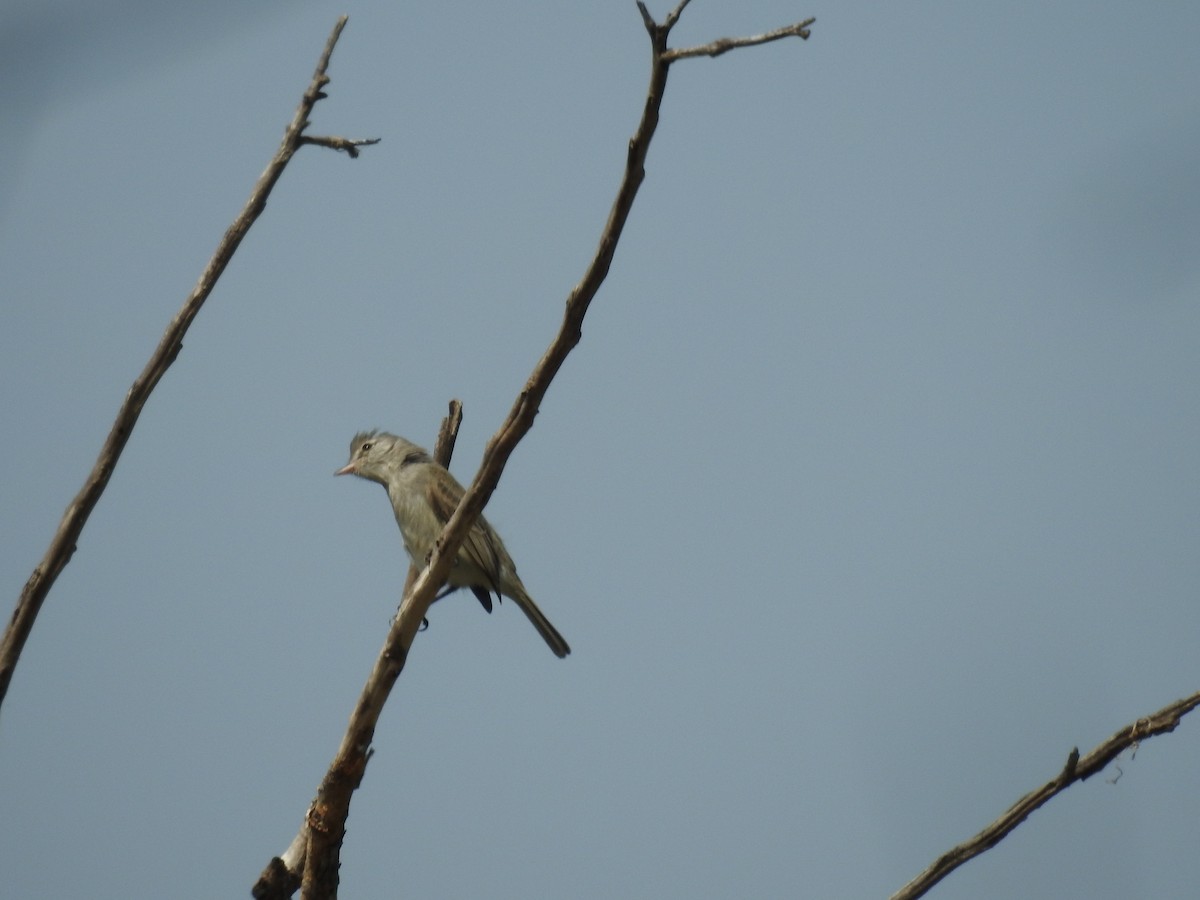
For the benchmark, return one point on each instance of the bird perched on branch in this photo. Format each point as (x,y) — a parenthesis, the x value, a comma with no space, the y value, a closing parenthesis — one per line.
(424,495)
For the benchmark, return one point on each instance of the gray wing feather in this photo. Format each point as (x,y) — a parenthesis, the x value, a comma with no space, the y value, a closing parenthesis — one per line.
(479,549)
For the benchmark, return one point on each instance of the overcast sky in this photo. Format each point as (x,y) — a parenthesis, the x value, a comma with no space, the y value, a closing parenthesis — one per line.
(869,493)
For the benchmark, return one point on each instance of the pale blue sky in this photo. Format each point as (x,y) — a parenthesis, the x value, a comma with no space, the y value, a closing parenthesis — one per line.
(871,490)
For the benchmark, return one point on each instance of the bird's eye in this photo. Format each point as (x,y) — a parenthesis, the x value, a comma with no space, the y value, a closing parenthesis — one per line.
(366,446)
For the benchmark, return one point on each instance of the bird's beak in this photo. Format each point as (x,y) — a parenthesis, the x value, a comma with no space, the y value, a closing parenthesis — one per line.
(348,469)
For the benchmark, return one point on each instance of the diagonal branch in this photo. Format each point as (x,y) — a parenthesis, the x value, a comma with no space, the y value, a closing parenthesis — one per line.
(349,145)
(724,45)
(62,546)
(1075,769)
(316,851)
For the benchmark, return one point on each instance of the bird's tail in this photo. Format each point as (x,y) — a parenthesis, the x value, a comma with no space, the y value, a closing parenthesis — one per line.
(549,633)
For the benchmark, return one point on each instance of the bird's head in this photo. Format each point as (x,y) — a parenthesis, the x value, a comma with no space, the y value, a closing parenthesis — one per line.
(377,455)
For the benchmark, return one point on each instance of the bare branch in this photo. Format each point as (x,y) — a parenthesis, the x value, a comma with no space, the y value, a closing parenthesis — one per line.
(1075,769)
(62,546)
(325,822)
(647,19)
(349,145)
(673,15)
(282,876)
(448,434)
(724,45)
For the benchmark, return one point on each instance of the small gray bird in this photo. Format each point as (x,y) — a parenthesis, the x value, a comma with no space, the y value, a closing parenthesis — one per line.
(424,495)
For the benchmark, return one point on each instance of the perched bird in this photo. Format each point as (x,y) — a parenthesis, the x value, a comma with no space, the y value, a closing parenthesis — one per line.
(424,495)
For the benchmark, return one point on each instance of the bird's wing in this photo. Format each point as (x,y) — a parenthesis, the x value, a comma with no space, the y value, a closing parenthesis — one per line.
(479,547)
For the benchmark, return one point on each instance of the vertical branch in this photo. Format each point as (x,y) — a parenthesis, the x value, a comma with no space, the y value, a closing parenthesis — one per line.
(443,450)
(62,546)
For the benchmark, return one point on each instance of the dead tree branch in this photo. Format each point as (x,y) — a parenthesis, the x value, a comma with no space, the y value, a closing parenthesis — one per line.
(443,450)
(724,45)
(62,546)
(318,854)
(1075,769)
(282,876)
(349,145)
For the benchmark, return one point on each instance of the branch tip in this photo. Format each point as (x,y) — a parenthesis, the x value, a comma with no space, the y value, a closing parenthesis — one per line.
(647,19)
(1068,772)
(448,434)
(724,45)
(673,15)
(348,145)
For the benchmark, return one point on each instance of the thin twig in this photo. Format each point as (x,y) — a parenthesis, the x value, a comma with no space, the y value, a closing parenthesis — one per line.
(326,819)
(1075,769)
(62,546)
(349,145)
(673,15)
(724,45)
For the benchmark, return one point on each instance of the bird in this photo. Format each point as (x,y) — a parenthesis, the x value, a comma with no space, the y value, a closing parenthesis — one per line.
(424,495)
